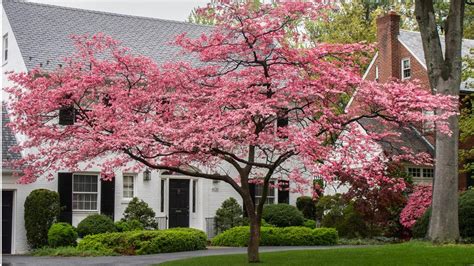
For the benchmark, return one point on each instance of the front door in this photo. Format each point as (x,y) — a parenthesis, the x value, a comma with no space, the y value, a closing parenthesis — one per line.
(179,203)
(7,211)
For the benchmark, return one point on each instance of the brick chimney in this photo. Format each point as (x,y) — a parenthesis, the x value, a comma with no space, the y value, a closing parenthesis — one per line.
(388,29)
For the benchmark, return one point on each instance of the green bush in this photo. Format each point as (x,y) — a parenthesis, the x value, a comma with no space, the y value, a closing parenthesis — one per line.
(229,215)
(307,206)
(420,228)
(62,235)
(70,252)
(95,224)
(277,236)
(139,210)
(342,216)
(466,214)
(146,242)
(282,215)
(41,211)
(309,223)
(125,226)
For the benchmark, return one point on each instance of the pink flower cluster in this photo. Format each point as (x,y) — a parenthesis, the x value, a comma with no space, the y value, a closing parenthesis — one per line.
(417,204)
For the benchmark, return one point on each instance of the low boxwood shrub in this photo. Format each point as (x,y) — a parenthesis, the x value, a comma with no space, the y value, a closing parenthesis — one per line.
(125,226)
(277,236)
(41,211)
(62,235)
(95,224)
(146,242)
(282,215)
(309,223)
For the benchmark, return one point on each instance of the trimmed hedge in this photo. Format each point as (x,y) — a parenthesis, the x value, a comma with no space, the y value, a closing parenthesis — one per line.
(62,235)
(41,211)
(276,236)
(95,224)
(282,215)
(146,242)
(125,226)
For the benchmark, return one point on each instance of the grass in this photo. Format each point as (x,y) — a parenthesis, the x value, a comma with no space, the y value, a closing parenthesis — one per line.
(70,252)
(412,253)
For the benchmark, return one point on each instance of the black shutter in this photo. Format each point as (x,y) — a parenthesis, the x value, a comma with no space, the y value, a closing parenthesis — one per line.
(67,115)
(252,195)
(107,197)
(65,197)
(284,193)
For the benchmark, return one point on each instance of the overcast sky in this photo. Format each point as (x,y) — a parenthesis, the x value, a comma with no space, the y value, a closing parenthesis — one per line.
(166,9)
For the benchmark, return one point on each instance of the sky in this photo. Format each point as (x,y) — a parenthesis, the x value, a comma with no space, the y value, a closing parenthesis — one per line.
(165,9)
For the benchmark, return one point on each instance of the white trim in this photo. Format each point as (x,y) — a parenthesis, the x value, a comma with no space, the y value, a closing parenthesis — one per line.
(413,54)
(363,77)
(134,181)
(402,68)
(98,193)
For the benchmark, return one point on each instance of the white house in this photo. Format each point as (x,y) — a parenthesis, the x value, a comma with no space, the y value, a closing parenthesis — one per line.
(39,35)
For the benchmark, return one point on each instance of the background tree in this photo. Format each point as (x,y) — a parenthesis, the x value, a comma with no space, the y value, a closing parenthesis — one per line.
(221,116)
(444,72)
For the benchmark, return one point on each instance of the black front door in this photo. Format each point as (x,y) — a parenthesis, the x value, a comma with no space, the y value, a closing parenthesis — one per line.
(179,203)
(7,211)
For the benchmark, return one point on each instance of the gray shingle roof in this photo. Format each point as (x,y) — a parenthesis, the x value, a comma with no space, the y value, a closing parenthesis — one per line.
(8,140)
(409,137)
(43,32)
(412,40)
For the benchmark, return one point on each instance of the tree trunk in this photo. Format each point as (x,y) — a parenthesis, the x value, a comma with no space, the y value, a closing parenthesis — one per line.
(254,242)
(444,224)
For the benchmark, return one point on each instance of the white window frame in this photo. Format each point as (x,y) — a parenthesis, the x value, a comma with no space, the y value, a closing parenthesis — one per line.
(5,48)
(423,175)
(274,196)
(403,68)
(376,73)
(428,126)
(83,192)
(134,186)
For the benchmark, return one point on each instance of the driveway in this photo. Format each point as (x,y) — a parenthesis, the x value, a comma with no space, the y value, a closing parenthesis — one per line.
(144,259)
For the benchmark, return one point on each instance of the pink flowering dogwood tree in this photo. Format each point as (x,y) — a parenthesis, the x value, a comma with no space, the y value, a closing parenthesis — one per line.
(256,70)
(418,202)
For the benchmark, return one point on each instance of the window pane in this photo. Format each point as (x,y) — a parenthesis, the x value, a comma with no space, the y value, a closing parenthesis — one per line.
(427,172)
(85,183)
(128,186)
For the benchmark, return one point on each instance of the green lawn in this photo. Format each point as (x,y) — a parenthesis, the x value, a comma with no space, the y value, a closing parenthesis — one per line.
(394,254)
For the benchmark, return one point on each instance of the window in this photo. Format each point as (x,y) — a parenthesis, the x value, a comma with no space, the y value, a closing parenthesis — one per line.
(67,116)
(5,48)
(428,126)
(128,186)
(376,73)
(406,68)
(419,172)
(84,192)
(194,195)
(162,196)
(270,194)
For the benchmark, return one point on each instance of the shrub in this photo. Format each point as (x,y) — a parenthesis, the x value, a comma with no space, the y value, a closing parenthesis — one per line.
(466,214)
(307,206)
(62,235)
(342,216)
(41,211)
(229,215)
(146,242)
(282,215)
(309,223)
(95,224)
(277,236)
(125,226)
(418,202)
(70,252)
(139,210)
(420,228)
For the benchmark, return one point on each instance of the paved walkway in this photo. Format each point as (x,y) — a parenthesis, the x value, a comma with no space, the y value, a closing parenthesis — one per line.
(141,260)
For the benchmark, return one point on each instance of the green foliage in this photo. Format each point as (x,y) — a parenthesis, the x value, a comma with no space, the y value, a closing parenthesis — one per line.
(95,224)
(342,216)
(62,235)
(139,210)
(229,215)
(309,223)
(70,252)
(307,206)
(276,236)
(282,215)
(466,214)
(146,242)
(41,211)
(125,226)
(466,119)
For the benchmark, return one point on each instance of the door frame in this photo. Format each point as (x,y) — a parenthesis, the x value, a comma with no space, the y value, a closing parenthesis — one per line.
(189,198)
(166,197)
(13,227)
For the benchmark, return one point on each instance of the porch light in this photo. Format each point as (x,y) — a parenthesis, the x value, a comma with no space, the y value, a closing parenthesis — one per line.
(147,175)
